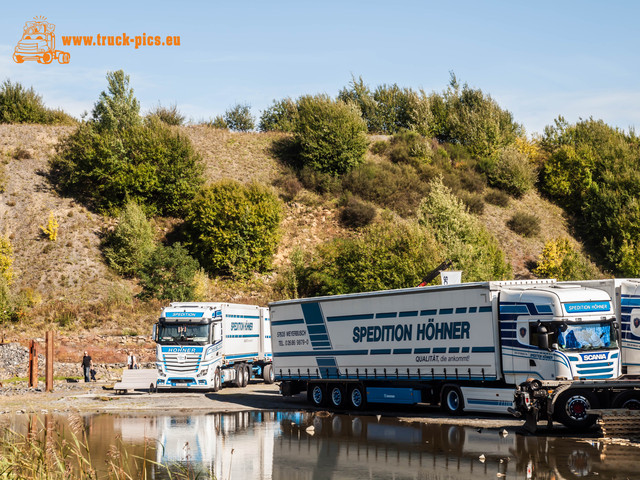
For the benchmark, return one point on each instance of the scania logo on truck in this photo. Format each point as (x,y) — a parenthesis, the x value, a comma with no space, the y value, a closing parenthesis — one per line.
(241,326)
(594,356)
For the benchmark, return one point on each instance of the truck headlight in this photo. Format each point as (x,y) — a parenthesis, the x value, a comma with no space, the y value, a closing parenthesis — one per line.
(160,369)
(203,372)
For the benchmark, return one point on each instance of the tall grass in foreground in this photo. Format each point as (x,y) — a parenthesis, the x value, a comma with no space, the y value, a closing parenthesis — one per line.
(49,453)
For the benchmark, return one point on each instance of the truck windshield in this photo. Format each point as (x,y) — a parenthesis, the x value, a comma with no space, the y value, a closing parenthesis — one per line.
(587,336)
(182,333)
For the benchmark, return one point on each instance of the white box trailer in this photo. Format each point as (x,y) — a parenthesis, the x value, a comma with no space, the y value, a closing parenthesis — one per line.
(625,295)
(204,345)
(465,346)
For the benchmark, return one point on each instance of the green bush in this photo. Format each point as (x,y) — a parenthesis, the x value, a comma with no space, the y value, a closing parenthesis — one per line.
(218,123)
(394,186)
(239,119)
(116,109)
(169,115)
(22,105)
(524,224)
(497,197)
(469,117)
(331,136)
(409,147)
(593,170)
(319,182)
(289,185)
(232,228)
(562,261)
(466,241)
(149,164)
(510,171)
(356,214)
(169,274)
(131,243)
(473,201)
(281,116)
(390,254)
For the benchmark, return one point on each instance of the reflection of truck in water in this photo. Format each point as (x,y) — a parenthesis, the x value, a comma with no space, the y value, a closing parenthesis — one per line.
(465,346)
(38,43)
(204,345)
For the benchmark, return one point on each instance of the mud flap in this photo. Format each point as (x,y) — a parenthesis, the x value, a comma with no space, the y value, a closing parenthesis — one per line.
(531,420)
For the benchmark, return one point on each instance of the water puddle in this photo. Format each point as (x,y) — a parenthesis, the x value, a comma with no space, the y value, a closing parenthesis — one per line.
(297,446)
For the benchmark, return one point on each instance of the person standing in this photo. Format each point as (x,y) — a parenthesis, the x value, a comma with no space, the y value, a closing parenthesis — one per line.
(87,365)
(131,360)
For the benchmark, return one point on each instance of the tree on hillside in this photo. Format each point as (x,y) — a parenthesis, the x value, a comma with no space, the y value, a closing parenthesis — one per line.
(331,135)
(116,109)
(469,117)
(239,119)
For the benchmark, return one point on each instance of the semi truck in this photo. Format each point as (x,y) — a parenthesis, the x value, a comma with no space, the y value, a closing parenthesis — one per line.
(206,345)
(465,347)
(625,296)
(38,43)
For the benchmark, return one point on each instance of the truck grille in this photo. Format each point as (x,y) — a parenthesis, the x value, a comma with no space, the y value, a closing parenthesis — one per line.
(181,363)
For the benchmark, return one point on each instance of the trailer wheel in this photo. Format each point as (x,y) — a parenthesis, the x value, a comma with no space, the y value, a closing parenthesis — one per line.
(357,397)
(216,380)
(239,380)
(629,400)
(63,57)
(452,401)
(316,395)
(268,375)
(571,409)
(337,397)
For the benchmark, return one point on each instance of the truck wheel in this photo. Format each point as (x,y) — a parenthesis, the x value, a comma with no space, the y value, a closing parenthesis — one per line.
(336,396)
(46,58)
(268,375)
(571,409)
(316,395)
(245,375)
(216,380)
(239,369)
(629,400)
(452,401)
(63,57)
(357,397)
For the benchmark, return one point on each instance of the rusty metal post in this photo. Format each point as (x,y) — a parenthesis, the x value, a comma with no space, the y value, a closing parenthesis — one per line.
(49,362)
(33,364)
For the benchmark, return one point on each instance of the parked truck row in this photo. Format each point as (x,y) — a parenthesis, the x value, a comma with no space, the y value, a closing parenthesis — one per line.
(466,347)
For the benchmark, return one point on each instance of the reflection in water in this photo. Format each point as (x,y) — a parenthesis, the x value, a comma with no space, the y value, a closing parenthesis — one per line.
(306,446)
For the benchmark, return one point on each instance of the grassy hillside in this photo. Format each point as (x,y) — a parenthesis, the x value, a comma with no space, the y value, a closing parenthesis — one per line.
(68,284)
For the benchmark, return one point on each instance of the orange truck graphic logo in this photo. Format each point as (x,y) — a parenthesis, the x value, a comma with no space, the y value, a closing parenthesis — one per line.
(38,43)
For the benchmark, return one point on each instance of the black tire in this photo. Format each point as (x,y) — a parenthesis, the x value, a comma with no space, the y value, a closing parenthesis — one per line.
(268,375)
(316,395)
(239,381)
(337,397)
(570,409)
(216,380)
(452,401)
(357,398)
(629,400)
(247,375)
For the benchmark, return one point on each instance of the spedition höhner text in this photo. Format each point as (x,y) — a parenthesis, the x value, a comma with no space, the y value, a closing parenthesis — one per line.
(405,332)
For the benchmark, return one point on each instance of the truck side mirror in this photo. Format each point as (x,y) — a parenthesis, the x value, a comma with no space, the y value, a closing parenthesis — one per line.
(543,337)
(154,332)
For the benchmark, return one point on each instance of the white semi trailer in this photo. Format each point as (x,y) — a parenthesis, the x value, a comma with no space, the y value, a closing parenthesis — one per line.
(625,295)
(464,346)
(205,345)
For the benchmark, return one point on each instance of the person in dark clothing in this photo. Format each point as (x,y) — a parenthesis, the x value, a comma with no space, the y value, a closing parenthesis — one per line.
(87,366)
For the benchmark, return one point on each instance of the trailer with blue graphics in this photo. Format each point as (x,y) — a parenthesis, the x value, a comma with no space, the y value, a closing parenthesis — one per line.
(205,345)
(465,347)
(625,295)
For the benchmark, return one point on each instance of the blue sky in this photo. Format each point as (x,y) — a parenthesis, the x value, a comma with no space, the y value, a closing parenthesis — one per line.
(537,59)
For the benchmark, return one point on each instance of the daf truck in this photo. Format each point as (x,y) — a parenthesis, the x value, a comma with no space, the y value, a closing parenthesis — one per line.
(625,295)
(465,347)
(206,345)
